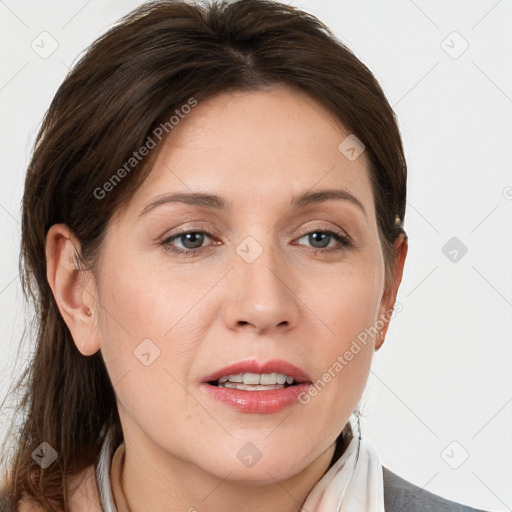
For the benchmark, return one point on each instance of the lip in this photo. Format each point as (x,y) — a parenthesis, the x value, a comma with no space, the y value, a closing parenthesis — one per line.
(263,401)
(253,366)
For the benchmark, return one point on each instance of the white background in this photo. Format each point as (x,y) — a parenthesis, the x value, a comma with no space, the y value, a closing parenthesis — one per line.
(444,375)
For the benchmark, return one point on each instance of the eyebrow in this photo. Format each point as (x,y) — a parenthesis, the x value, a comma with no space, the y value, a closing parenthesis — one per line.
(215,202)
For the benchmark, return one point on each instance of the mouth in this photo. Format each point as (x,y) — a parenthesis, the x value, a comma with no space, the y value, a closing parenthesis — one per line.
(252,375)
(257,387)
(255,381)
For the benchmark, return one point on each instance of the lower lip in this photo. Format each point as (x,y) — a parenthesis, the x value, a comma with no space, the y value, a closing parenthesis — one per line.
(273,400)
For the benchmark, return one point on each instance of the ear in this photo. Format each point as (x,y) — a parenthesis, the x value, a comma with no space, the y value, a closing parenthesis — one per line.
(73,289)
(400,248)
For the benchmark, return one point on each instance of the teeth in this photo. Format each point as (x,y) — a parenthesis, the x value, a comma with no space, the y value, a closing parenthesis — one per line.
(251,387)
(281,379)
(232,378)
(251,378)
(256,379)
(268,378)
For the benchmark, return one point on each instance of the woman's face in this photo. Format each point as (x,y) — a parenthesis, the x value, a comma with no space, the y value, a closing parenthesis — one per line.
(257,288)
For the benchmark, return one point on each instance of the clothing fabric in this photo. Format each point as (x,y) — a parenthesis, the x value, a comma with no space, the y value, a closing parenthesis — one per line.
(403,496)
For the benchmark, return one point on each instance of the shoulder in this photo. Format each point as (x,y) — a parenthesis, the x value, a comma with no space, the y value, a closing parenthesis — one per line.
(399,494)
(83,489)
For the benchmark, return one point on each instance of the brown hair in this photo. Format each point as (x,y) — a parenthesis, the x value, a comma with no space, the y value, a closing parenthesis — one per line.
(127,84)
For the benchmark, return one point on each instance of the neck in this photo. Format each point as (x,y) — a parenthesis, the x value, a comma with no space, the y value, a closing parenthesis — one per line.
(144,484)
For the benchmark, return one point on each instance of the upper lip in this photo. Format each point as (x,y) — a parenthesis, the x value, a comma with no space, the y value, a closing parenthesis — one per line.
(253,366)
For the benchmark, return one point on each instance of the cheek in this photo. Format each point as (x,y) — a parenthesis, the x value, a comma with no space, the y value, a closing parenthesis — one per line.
(148,346)
(146,336)
(348,343)
(344,330)
(346,304)
(141,302)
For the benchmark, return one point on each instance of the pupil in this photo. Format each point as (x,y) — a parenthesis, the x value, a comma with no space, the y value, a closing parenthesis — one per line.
(195,244)
(315,236)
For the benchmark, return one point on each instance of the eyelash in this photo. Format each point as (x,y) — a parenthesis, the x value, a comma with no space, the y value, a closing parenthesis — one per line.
(337,235)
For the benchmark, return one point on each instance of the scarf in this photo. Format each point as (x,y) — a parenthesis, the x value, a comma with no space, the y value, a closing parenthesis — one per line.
(354,483)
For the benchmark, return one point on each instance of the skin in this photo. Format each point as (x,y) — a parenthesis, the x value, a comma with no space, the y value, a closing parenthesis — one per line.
(295,302)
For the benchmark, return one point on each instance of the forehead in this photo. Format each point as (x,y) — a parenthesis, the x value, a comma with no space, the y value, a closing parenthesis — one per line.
(256,148)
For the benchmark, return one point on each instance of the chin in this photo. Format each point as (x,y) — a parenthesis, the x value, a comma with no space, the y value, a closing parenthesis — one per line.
(260,474)
(255,467)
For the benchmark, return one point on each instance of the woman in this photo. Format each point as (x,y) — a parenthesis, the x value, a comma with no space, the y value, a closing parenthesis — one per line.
(212,233)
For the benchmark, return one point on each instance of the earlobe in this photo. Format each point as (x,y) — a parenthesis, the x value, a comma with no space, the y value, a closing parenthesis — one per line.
(400,248)
(71,288)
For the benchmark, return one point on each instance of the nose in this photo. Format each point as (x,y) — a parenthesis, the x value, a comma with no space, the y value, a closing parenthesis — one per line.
(263,292)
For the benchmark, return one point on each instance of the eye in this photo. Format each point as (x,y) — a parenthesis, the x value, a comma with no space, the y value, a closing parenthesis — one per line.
(191,240)
(320,239)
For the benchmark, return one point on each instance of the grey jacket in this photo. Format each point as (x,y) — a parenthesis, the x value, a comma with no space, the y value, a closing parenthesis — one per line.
(403,496)
(399,496)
